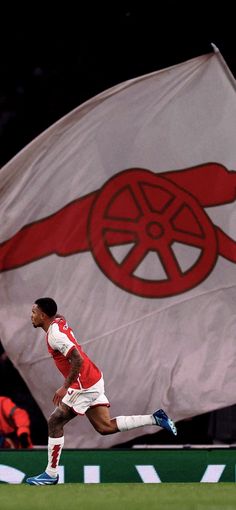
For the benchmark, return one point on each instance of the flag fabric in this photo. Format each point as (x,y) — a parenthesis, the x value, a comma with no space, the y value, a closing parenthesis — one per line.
(124,212)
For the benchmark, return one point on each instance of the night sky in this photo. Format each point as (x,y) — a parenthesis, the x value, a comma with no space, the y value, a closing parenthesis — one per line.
(51,62)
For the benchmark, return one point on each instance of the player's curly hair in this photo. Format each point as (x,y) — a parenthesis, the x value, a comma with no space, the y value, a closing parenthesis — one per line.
(47,305)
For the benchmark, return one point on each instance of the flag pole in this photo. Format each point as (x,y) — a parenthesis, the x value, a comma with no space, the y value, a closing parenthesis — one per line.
(224,65)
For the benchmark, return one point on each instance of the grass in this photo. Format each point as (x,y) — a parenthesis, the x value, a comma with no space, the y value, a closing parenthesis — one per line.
(113,496)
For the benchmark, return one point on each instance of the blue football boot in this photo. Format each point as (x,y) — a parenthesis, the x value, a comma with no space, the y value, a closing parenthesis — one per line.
(162,420)
(43,479)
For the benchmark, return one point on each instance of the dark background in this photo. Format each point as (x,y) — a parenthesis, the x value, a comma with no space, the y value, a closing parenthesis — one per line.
(54,57)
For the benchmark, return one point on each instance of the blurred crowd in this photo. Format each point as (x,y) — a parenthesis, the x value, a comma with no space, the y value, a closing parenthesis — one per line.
(22,424)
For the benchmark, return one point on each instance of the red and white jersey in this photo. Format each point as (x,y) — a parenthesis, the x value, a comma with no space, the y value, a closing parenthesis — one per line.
(61,341)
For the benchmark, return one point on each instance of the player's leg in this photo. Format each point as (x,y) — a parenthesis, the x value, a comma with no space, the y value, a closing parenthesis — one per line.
(99,417)
(95,404)
(98,413)
(60,416)
(58,419)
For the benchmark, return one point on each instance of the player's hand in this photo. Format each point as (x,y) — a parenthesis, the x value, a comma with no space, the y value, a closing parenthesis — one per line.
(60,393)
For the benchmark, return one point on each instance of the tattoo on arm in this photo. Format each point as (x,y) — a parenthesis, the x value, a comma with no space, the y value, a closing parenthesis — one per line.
(76,363)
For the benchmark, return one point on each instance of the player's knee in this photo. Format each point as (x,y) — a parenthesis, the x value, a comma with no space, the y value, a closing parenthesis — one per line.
(55,420)
(104,429)
(52,420)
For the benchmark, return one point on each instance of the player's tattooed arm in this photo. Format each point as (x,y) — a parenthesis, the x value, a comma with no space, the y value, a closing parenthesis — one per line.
(76,362)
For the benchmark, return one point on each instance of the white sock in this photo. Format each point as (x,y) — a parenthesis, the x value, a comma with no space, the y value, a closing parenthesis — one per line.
(55,445)
(133,422)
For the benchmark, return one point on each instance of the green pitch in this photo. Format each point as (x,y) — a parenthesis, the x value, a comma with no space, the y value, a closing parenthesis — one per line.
(113,496)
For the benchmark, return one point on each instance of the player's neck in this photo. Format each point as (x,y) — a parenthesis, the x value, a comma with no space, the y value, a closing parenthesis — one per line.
(47,323)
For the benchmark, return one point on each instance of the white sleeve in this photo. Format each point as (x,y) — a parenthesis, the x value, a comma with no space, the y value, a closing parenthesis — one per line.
(58,340)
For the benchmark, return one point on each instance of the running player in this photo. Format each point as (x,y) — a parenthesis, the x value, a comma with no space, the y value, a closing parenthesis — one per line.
(82,391)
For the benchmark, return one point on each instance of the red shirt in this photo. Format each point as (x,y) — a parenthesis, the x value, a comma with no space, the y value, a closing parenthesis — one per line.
(61,341)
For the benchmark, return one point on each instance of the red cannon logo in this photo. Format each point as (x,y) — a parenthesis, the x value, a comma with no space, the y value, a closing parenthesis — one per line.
(145,211)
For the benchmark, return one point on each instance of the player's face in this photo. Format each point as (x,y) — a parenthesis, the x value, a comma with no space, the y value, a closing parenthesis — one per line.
(36,316)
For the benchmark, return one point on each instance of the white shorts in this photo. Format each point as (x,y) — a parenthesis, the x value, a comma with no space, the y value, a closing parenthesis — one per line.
(81,400)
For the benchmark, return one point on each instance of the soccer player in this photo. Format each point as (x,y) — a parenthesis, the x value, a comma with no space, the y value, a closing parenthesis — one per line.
(82,391)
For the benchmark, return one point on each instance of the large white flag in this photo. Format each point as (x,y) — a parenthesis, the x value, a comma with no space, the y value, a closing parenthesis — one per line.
(124,212)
